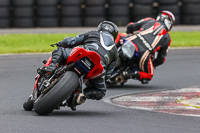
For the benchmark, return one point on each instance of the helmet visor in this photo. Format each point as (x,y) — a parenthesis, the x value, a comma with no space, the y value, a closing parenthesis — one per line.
(168,23)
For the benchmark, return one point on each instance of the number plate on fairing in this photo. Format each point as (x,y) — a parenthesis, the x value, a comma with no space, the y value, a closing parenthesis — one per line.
(84,66)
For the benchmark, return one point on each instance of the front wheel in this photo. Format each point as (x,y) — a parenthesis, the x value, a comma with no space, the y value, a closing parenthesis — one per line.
(28,105)
(62,90)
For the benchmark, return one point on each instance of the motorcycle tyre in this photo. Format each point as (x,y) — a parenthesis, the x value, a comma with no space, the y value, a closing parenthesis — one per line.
(52,99)
(28,105)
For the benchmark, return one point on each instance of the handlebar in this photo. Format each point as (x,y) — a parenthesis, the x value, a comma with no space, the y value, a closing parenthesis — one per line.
(56,44)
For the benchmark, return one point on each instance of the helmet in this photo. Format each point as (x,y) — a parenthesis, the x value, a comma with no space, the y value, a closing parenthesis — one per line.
(109,27)
(167,18)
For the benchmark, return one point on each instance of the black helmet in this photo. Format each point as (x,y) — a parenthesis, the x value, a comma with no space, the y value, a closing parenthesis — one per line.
(167,17)
(109,27)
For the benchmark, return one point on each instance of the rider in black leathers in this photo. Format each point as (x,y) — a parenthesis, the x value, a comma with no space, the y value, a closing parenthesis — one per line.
(149,36)
(100,41)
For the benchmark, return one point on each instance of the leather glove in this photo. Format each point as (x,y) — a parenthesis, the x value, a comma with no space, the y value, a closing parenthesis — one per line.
(94,94)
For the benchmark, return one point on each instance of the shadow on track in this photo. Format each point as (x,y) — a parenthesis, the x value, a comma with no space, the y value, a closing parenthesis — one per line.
(133,87)
(69,113)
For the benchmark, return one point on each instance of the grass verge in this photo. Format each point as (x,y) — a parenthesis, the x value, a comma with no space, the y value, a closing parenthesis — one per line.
(23,43)
(185,39)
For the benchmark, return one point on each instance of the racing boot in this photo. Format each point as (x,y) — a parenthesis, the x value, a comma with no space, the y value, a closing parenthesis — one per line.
(47,70)
(57,59)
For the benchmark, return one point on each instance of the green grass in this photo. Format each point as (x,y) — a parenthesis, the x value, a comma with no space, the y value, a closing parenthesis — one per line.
(185,39)
(21,43)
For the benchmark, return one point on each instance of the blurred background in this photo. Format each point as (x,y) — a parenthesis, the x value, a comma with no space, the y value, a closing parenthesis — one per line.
(79,13)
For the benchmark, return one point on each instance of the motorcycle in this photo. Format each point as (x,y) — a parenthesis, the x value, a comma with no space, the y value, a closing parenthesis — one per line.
(127,64)
(64,86)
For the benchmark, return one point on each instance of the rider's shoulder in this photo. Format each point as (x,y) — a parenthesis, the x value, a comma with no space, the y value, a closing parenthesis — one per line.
(146,19)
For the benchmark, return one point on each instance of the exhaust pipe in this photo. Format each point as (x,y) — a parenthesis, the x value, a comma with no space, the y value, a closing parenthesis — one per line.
(119,79)
(81,98)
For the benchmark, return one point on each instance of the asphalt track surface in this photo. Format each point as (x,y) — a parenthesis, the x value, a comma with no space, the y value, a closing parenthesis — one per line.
(17,79)
(17,74)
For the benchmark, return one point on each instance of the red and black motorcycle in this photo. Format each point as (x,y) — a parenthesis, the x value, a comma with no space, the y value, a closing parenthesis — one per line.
(64,86)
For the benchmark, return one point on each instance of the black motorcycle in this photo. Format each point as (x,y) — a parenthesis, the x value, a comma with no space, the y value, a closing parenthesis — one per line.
(127,62)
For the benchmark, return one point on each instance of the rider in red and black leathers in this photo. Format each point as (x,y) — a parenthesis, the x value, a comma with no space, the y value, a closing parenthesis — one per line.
(101,41)
(149,35)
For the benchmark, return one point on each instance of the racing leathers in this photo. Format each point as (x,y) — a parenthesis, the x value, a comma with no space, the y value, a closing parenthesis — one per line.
(98,41)
(148,36)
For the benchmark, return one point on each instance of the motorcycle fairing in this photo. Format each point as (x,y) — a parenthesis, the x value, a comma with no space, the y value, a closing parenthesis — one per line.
(128,49)
(36,81)
(48,62)
(78,53)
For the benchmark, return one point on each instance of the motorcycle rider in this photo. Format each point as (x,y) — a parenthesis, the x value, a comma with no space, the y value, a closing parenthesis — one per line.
(100,41)
(149,36)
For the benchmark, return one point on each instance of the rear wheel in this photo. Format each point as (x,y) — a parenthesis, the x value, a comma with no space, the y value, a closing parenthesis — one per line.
(62,90)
